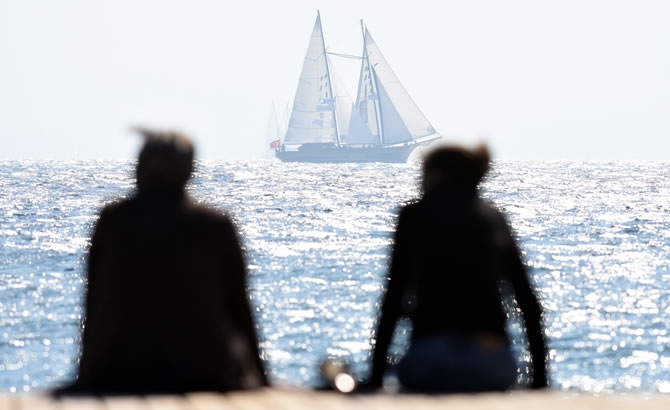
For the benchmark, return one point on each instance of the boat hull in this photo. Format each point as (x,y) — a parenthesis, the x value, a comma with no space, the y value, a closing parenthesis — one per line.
(396,154)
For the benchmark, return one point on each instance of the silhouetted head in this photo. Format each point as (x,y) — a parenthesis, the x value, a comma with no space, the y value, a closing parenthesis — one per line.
(165,162)
(455,166)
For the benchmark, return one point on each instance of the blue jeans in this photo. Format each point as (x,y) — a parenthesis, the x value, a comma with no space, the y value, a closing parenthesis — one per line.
(456,364)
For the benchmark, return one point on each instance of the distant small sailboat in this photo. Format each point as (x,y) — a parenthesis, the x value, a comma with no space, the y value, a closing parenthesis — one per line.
(384,125)
(272,133)
(274,130)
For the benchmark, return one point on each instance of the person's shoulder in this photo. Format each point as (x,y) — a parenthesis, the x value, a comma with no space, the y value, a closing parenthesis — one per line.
(410,208)
(496,219)
(208,214)
(491,211)
(409,214)
(114,216)
(115,208)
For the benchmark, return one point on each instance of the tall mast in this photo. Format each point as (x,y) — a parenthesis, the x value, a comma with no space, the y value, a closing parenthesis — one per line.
(330,83)
(373,79)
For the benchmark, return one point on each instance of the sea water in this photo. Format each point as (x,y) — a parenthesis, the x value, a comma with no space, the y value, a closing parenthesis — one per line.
(595,235)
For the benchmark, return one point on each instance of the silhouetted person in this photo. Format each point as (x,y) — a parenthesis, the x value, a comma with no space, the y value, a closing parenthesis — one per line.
(167,309)
(451,252)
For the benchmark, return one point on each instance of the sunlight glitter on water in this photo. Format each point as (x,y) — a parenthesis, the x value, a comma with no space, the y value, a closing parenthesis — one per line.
(317,242)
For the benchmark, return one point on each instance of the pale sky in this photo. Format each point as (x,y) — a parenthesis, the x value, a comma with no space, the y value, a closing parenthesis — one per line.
(569,79)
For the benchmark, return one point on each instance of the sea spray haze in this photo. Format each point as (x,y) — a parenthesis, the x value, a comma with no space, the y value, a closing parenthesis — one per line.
(595,235)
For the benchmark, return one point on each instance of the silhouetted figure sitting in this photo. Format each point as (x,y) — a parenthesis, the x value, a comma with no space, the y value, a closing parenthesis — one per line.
(167,309)
(451,253)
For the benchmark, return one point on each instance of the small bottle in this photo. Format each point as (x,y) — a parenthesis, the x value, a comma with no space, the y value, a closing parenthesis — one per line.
(338,376)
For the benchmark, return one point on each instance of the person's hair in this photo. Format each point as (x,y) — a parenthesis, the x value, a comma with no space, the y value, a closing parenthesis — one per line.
(456,165)
(165,161)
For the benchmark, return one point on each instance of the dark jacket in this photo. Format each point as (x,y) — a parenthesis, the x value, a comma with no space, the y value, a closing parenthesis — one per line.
(167,308)
(451,253)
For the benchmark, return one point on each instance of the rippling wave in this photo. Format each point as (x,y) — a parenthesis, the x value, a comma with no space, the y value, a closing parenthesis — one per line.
(595,235)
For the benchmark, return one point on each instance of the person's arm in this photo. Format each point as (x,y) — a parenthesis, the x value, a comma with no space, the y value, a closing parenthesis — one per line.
(91,296)
(390,306)
(531,311)
(239,304)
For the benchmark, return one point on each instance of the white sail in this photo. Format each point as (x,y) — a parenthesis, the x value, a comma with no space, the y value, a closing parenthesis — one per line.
(351,128)
(366,100)
(325,126)
(384,103)
(313,115)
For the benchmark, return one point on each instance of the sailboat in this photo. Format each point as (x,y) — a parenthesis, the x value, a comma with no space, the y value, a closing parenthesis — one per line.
(272,136)
(325,125)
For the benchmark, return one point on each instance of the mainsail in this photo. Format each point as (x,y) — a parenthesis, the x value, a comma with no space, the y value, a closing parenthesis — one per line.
(313,115)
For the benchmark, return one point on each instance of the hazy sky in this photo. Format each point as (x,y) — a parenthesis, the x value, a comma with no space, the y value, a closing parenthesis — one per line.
(536,79)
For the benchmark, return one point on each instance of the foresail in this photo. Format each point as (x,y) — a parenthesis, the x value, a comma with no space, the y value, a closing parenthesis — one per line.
(366,100)
(351,128)
(394,128)
(401,119)
(313,115)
